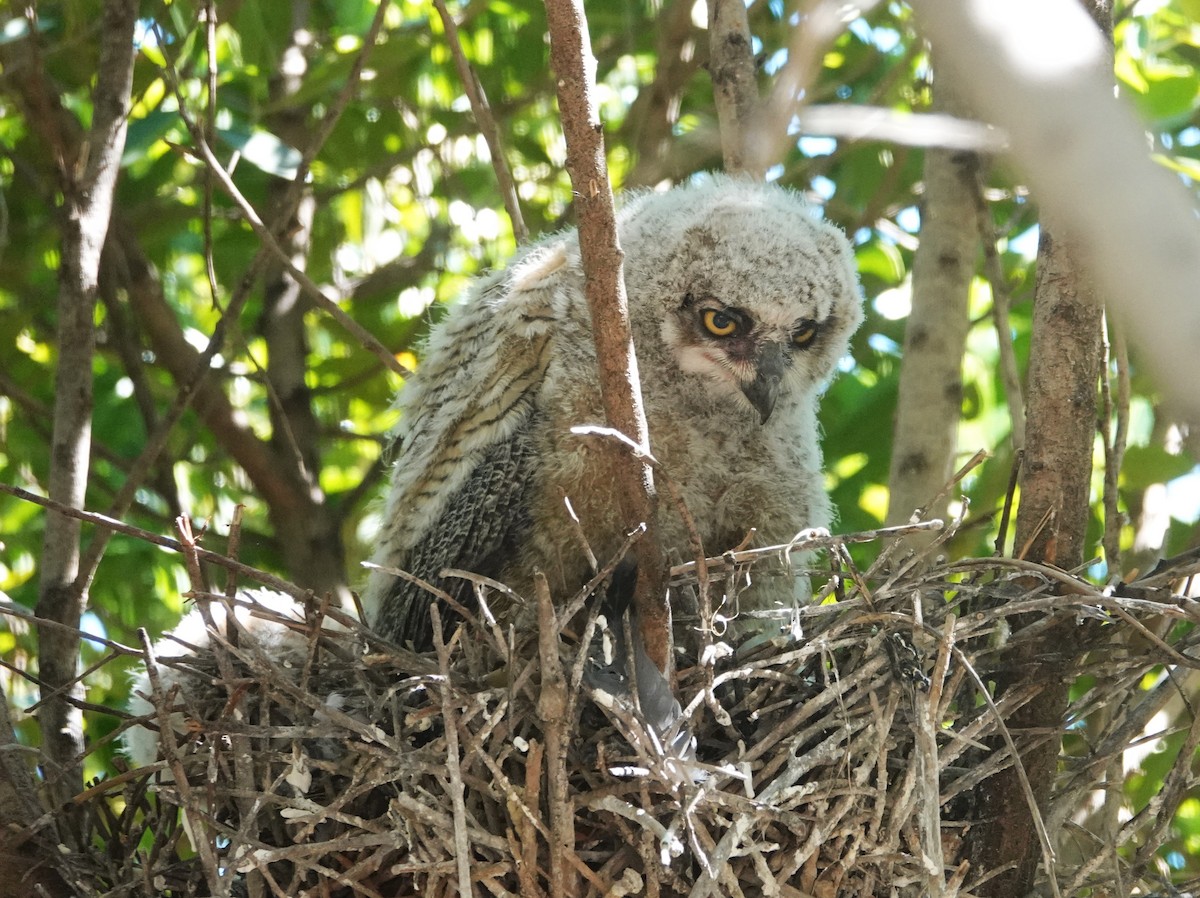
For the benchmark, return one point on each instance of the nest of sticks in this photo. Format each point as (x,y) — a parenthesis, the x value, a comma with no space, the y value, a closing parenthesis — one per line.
(839,762)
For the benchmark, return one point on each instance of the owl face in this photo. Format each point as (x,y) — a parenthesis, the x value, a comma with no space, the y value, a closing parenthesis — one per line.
(753,298)
(737,350)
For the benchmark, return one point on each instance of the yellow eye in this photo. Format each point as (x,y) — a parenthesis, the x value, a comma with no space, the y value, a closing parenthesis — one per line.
(804,334)
(720,324)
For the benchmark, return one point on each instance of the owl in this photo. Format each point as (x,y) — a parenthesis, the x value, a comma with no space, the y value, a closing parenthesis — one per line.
(741,303)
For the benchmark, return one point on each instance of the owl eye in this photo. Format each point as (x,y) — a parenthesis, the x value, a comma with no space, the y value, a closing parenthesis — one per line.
(805,333)
(720,324)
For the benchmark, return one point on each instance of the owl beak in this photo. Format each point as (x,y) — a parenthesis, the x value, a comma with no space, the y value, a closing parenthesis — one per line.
(764,389)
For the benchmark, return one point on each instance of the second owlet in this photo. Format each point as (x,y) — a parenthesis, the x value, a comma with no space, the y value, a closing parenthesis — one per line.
(741,303)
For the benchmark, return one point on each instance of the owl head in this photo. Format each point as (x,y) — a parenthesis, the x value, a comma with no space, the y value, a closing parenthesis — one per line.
(749,293)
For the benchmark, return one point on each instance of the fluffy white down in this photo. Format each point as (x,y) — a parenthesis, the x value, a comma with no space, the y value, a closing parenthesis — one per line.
(192,636)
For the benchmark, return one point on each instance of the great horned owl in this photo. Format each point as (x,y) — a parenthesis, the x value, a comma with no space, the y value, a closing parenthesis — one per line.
(741,303)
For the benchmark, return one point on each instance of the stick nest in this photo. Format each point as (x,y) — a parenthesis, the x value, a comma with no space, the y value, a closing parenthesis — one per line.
(841,762)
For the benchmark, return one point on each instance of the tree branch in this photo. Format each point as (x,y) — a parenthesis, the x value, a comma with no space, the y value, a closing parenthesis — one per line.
(731,65)
(929,404)
(574,66)
(486,122)
(88,190)
(1055,479)
(1138,235)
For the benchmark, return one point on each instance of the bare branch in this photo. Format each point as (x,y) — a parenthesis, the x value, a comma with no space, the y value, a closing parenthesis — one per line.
(1139,235)
(574,66)
(216,558)
(250,214)
(993,270)
(486,121)
(929,404)
(88,196)
(1115,431)
(731,65)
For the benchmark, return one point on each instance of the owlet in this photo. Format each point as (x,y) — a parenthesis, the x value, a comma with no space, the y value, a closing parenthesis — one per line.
(741,303)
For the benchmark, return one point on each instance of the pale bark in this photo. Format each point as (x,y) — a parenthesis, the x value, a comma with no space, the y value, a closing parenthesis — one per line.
(88,185)
(1065,363)
(731,65)
(1039,69)
(929,403)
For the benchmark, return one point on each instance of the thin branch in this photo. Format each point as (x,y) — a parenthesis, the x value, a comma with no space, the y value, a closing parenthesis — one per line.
(462,848)
(202,149)
(993,270)
(216,558)
(89,187)
(574,66)
(1139,235)
(486,122)
(1115,433)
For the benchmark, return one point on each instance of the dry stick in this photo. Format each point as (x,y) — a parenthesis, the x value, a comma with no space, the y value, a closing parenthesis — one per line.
(462,849)
(993,270)
(552,709)
(243,762)
(574,67)
(216,558)
(486,122)
(1117,354)
(187,805)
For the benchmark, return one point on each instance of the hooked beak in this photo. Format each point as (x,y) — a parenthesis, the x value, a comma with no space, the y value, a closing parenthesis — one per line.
(764,389)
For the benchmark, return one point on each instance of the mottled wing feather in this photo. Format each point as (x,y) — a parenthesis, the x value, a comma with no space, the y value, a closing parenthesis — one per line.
(479,530)
(460,489)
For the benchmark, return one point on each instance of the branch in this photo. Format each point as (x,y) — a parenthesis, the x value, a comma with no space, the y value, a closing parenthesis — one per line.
(655,111)
(486,122)
(731,65)
(929,404)
(1055,478)
(88,190)
(574,66)
(229,564)
(1138,236)
(266,236)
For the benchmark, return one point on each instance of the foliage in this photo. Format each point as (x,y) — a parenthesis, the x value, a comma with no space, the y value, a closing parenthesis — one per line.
(407,212)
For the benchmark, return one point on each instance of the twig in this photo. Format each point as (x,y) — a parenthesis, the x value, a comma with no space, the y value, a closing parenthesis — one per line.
(202,149)
(1115,436)
(486,122)
(216,558)
(993,270)
(188,804)
(462,848)
(552,709)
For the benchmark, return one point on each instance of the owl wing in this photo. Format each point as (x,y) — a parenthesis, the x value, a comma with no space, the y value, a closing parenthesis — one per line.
(467,459)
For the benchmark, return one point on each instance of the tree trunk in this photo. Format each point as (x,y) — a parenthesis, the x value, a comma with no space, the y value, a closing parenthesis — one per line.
(88,182)
(929,404)
(311,541)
